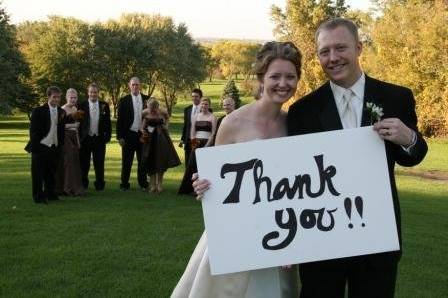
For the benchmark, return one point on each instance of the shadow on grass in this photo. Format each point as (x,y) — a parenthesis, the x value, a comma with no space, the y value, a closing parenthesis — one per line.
(14,125)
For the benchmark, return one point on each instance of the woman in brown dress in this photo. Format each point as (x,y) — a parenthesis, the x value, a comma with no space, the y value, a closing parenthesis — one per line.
(68,176)
(158,152)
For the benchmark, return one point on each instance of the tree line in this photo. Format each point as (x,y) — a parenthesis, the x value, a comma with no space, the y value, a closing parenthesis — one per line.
(71,53)
(405,42)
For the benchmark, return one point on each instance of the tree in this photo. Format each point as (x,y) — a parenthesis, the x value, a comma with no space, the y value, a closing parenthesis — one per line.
(235,57)
(177,75)
(211,63)
(297,23)
(121,50)
(410,48)
(153,32)
(60,55)
(230,90)
(13,68)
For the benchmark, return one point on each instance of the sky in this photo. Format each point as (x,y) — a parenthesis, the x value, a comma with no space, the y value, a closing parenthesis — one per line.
(239,19)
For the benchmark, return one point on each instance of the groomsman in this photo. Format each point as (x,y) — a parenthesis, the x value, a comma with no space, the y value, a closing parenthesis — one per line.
(189,113)
(340,103)
(94,131)
(46,139)
(129,121)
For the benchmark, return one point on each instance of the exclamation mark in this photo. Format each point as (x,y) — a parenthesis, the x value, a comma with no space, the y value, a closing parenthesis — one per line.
(359,207)
(348,210)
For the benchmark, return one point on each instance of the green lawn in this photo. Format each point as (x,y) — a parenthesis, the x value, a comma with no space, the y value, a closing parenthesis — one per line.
(133,244)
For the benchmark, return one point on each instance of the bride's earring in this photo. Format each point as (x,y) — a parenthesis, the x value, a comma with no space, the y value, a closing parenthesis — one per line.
(261,91)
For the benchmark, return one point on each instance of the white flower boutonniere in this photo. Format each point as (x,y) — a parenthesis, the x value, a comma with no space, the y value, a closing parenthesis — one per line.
(103,110)
(376,112)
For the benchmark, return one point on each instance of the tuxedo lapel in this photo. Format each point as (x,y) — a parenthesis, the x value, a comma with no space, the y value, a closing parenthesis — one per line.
(87,114)
(189,109)
(47,118)
(131,109)
(329,116)
(371,94)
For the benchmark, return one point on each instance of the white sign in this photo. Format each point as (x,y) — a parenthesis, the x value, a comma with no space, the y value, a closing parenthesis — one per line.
(296,200)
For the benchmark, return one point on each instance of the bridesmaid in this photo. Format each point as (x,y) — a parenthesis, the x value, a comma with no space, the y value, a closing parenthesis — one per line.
(68,176)
(158,152)
(203,128)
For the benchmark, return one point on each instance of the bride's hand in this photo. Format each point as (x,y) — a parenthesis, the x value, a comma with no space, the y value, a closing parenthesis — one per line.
(200,186)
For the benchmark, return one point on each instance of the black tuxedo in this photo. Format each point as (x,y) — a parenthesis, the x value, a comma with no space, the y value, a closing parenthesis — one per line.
(44,159)
(371,275)
(131,142)
(94,146)
(186,136)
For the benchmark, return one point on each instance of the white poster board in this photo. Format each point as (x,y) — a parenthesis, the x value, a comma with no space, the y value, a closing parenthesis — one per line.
(330,197)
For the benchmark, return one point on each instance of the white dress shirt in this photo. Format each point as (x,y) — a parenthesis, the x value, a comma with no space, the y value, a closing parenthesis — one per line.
(194,111)
(52,136)
(94,111)
(356,103)
(138,107)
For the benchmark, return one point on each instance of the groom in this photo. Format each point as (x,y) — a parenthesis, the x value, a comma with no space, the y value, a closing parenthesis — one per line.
(340,104)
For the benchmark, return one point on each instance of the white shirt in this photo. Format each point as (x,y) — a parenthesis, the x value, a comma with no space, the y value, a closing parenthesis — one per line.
(94,111)
(357,101)
(138,107)
(194,111)
(52,136)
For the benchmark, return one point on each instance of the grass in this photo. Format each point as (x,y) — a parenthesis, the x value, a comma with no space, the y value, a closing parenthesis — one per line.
(134,244)
(437,158)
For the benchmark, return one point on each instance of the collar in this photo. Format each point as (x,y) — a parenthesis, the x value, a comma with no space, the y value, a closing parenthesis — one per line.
(136,96)
(52,108)
(93,103)
(357,88)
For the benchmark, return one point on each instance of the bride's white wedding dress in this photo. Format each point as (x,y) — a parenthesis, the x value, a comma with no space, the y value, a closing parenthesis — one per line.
(197,282)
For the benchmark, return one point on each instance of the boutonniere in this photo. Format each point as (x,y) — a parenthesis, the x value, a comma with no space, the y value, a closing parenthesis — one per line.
(375,112)
(103,110)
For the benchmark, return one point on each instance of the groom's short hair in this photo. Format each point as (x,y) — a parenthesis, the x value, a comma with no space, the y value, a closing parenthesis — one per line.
(338,22)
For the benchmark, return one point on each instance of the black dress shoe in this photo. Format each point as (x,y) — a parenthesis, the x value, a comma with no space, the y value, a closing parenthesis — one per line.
(41,201)
(54,198)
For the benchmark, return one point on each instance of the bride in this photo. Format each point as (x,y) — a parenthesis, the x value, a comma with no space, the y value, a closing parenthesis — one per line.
(278,70)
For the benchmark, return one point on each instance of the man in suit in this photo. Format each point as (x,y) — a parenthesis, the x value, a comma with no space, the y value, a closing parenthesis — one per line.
(189,112)
(94,132)
(46,139)
(129,122)
(340,104)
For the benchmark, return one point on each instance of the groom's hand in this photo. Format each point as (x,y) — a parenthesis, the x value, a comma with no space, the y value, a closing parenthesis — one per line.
(395,131)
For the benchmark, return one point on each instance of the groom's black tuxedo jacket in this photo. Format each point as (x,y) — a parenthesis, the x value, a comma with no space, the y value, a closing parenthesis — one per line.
(317,112)
(40,127)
